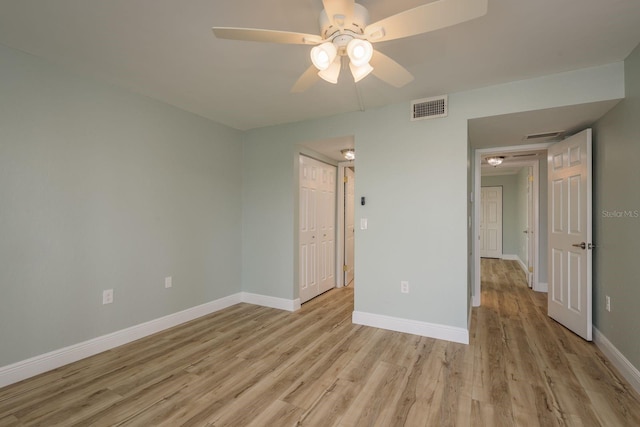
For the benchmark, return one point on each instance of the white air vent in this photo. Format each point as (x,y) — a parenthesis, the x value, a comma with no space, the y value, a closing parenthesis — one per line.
(429,108)
(544,135)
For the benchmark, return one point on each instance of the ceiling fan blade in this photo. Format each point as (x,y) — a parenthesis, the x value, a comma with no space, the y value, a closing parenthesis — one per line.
(272,36)
(425,18)
(306,80)
(339,8)
(389,71)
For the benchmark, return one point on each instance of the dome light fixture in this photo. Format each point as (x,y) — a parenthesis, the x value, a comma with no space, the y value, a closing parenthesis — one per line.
(349,153)
(495,160)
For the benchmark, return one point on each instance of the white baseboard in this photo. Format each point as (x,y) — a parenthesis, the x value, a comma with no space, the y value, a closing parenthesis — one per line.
(476,301)
(515,257)
(272,302)
(431,330)
(628,371)
(45,362)
(541,287)
(54,359)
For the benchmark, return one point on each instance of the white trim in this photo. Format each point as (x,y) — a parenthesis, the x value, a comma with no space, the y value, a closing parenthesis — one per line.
(541,287)
(54,359)
(272,302)
(340,226)
(340,231)
(515,257)
(431,330)
(628,371)
(479,153)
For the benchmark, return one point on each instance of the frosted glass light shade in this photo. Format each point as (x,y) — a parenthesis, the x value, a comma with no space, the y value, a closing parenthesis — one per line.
(360,52)
(360,72)
(332,73)
(323,55)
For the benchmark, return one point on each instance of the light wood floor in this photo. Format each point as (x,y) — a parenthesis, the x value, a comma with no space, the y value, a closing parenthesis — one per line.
(256,366)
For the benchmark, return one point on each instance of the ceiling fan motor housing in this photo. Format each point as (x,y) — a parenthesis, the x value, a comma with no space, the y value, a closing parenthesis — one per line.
(333,30)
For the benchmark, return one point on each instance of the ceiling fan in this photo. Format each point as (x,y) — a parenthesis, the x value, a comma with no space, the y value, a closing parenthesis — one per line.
(345,32)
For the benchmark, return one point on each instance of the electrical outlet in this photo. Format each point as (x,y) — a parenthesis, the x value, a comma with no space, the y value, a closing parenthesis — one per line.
(107,296)
(607,303)
(167,282)
(404,287)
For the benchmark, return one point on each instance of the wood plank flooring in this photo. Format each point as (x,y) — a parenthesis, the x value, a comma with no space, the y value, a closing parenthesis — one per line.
(255,366)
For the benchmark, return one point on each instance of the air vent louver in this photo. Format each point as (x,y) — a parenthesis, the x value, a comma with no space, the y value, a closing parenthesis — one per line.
(429,108)
(544,135)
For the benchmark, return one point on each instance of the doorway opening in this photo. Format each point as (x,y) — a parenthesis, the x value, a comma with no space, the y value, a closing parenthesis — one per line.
(346,224)
(324,217)
(528,243)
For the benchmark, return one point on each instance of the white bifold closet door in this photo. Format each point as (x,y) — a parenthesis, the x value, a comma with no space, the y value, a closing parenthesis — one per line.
(317,227)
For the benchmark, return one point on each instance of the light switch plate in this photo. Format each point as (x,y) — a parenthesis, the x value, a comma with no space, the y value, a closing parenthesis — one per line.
(363,223)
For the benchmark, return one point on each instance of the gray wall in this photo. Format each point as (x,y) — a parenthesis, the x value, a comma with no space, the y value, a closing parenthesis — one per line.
(101,188)
(616,222)
(510,212)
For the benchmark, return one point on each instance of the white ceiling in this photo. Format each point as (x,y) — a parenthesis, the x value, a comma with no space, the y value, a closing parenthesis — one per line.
(165,50)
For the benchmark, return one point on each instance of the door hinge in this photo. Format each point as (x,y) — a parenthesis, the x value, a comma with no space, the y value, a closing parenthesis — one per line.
(346,179)
(530,269)
(530,178)
(345,268)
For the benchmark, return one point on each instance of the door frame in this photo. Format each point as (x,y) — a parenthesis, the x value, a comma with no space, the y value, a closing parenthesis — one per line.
(301,151)
(475,198)
(340,230)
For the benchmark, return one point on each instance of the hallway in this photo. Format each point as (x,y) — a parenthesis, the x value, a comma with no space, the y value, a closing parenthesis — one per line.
(531,368)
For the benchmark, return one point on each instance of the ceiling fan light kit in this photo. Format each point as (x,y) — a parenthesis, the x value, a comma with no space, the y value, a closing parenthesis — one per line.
(345,32)
(332,72)
(322,56)
(360,72)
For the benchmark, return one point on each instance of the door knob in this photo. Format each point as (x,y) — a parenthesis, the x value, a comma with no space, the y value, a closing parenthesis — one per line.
(582,245)
(525,231)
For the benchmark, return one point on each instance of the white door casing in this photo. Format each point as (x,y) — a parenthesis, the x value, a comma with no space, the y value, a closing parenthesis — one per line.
(317,228)
(308,257)
(491,222)
(349,225)
(570,222)
(531,247)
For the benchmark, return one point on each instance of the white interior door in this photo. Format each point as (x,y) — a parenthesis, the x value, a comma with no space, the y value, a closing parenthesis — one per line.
(491,222)
(349,225)
(317,228)
(327,231)
(308,257)
(570,255)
